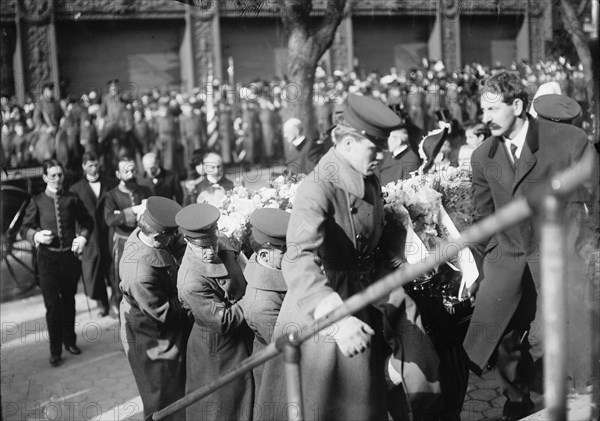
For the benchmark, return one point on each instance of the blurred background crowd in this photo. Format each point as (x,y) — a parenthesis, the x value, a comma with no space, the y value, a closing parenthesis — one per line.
(244,124)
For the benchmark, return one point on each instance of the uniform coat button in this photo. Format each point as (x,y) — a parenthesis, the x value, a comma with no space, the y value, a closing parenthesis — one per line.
(353,209)
(359,237)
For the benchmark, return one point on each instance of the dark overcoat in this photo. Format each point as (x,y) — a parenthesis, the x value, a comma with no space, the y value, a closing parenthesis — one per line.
(334,230)
(154,327)
(398,167)
(549,147)
(220,338)
(261,304)
(95,264)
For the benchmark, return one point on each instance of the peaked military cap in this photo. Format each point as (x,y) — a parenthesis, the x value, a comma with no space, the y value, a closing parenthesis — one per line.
(198,221)
(370,117)
(556,107)
(269,226)
(160,213)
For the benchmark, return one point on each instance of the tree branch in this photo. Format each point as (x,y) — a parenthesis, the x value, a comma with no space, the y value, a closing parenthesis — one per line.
(582,6)
(335,10)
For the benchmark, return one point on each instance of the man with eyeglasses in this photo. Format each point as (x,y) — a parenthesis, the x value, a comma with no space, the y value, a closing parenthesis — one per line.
(59,226)
(95,264)
(214,175)
(155,328)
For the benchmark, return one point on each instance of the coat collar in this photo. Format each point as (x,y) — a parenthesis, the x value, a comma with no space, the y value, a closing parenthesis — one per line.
(511,177)
(194,264)
(150,256)
(261,277)
(336,169)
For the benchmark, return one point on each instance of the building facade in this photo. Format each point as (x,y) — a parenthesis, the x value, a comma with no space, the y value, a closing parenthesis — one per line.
(80,44)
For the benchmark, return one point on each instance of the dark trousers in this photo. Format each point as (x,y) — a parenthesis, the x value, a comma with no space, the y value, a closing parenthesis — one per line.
(59,273)
(517,363)
(118,246)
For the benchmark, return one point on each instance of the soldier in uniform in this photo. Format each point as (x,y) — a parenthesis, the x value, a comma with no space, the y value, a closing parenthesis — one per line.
(47,116)
(51,223)
(155,327)
(210,284)
(95,265)
(335,227)
(266,286)
(123,206)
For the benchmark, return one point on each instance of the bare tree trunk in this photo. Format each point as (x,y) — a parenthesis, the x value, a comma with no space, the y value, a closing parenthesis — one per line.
(306,45)
(573,25)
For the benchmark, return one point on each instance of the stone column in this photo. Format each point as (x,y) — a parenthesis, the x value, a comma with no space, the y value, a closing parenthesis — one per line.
(450,25)
(342,50)
(7,49)
(35,26)
(535,16)
(205,45)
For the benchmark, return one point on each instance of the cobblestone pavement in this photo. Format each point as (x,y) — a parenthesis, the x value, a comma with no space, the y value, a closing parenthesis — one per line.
(98,384)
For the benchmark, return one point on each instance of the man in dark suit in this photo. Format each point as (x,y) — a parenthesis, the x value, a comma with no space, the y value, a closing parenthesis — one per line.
(301,153)
(162,182)
(400,160)
(521,153)
(95,264)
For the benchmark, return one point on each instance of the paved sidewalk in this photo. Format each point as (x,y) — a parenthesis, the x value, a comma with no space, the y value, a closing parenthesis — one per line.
(96,385)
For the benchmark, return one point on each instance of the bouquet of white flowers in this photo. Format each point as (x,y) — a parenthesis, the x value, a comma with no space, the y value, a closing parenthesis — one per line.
(239,203)
(418,206)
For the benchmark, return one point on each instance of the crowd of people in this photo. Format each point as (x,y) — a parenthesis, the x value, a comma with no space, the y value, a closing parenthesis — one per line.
(246,123)
(192,307)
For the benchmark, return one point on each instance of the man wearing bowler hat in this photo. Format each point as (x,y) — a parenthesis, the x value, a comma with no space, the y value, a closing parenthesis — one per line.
(155,328)
(333,235)
(266,286)
(210,284)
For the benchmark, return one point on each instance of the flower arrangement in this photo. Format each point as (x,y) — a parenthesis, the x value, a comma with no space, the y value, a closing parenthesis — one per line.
(423,206)
(239,203)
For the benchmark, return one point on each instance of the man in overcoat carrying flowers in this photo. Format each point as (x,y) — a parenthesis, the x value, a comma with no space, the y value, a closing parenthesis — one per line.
(333,235)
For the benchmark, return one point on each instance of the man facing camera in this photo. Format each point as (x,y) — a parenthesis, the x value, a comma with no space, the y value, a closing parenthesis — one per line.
(160,181)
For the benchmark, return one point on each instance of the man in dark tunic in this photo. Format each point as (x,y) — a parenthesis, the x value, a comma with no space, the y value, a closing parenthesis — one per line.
(123,206)
(57,223)
(95,264)
(155,328)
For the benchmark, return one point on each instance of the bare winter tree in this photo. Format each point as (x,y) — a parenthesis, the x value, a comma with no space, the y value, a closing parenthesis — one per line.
(306,44)
(308,39)
(571,14)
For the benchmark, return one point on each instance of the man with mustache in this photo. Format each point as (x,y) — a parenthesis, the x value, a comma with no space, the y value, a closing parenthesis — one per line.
(123,206)
(506,328)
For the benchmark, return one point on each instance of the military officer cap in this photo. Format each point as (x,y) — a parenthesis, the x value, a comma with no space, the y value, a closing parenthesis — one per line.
(556,107)
(370,117)
(269,226)
(198,222)
(160,213)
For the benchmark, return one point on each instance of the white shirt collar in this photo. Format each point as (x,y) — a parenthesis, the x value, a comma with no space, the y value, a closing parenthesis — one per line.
(401,149)
(298,141)
(518,140)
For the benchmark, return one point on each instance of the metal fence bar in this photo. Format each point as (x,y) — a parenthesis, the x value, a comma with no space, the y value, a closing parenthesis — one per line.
(293,384)
(554,306)
(518,210)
